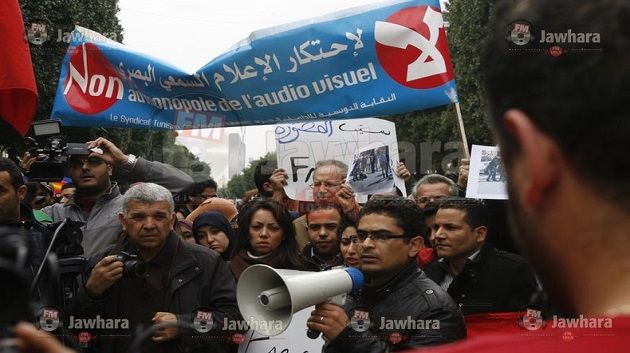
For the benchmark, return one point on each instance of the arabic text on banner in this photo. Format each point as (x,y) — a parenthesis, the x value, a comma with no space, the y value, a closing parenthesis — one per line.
(376,60)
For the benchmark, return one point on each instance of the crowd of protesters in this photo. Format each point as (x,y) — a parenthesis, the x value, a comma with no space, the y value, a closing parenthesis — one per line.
(196,245)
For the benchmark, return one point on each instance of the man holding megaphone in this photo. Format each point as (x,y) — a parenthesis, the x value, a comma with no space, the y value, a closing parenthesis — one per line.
(399,306)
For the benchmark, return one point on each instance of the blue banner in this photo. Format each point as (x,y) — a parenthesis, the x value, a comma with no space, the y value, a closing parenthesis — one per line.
(375,60)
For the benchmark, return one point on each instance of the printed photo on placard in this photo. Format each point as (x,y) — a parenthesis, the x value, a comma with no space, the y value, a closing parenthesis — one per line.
(487,178)
(371,170)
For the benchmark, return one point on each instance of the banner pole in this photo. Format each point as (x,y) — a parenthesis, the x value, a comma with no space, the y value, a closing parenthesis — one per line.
(462,131)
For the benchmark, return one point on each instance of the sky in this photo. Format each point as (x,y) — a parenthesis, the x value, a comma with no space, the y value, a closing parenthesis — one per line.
(190,33)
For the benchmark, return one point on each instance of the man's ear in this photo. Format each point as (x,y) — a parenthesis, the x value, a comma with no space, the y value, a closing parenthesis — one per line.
(415,245)
(109,169)
(173,220)
(480,234)
(121,218)
(267,187)
(21,192)
(536,168)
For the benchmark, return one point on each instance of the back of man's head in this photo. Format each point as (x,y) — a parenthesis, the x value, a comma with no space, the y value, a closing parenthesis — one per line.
(147,193)
(578,99)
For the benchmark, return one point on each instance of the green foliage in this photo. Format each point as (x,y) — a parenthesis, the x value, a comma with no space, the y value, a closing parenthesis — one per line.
(468,29)
(60,17)
(238,184)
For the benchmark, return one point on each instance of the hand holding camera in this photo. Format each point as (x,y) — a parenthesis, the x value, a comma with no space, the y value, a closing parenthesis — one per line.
(104,275)
(112,268)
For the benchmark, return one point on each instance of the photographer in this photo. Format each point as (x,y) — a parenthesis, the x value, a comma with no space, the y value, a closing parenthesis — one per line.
(150,276)
(97,199)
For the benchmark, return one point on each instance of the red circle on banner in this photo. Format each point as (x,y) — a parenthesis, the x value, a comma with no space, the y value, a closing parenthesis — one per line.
(416,54)
(92,85)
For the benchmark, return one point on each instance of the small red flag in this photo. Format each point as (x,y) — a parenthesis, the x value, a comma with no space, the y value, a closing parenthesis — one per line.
(18,91)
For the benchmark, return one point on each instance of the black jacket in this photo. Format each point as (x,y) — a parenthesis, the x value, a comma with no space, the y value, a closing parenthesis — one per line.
(408,307)
(198,278)
(495,281)
(35,237)
(312,263)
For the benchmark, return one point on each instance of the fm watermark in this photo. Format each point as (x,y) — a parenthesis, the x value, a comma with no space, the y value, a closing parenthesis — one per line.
(209,327)
(533,320)
(204,321)
(50,319)
(393,329)
(38,33)
(526,37)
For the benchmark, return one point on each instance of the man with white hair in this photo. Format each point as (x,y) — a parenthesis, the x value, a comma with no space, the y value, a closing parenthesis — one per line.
(171,277)
(433,187)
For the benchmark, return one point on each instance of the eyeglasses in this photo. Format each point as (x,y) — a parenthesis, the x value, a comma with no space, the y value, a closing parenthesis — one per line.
(349,240)
(80,161)
(378,236)
(328,184)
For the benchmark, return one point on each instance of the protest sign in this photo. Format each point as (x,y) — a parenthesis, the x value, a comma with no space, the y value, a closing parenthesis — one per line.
(487,177)
(293,339)
(378,59)
(300,146)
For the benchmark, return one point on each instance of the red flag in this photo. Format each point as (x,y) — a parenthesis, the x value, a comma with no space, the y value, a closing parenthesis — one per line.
(482,324)
(18,91)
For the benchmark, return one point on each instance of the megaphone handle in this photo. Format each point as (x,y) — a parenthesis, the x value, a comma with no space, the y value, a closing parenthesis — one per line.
(340,300)
(312,334)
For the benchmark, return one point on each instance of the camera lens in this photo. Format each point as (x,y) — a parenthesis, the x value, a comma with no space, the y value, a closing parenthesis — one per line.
(135,269)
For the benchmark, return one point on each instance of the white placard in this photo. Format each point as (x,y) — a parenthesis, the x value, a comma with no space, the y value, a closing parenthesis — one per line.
(300,146)
(487,177)
(292,340)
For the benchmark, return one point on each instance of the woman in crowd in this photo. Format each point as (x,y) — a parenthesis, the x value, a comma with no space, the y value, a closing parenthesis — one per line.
(216,204)
(184,229)
(266,236)
(213,230)
(347,235)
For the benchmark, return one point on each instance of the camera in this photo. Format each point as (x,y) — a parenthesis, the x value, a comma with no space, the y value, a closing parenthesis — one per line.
(51,145)
(14,293)
(132,266)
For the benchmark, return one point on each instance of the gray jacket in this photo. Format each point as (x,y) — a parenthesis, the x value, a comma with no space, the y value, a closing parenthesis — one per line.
(102,226)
